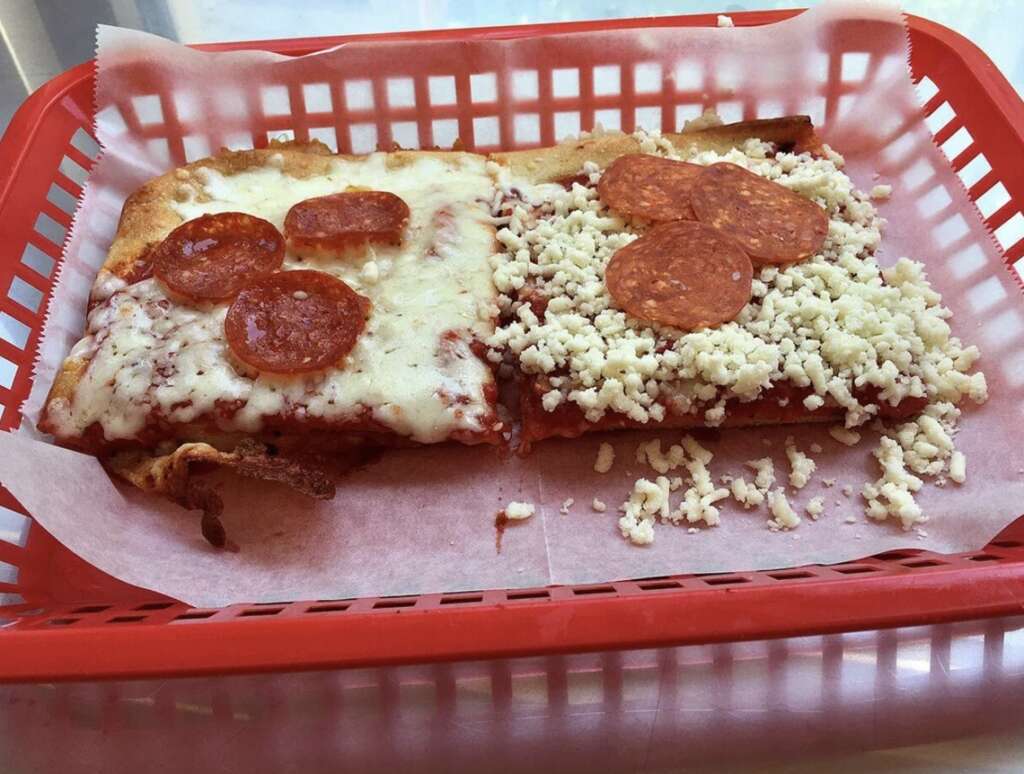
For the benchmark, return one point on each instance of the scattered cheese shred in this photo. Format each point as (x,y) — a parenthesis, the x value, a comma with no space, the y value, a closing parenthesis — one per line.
(764,469)
(892,495)
(648,500)
(662,462)
(698,500)
(815,507)
(605,458)
(958,467)
(785,516)
(800,465)
(518,510)
(745,494)
(844,435)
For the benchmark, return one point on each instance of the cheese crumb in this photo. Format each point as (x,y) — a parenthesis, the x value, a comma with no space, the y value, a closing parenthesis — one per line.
(785,516)
(764,469)
(518,510)
(745,494)
(648,500)
(892,495)
(698,500)
(800,465)
(709,118)
(567,503)
(662,462)
(958,467)
(844,435)
(599,505)
(370,272)
(847,490)
(605,458)
(881,192)
(815,507)
(927,442)
(813,402)
(725,21)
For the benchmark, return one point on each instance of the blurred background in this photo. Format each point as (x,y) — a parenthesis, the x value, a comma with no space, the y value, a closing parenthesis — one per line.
(42,38)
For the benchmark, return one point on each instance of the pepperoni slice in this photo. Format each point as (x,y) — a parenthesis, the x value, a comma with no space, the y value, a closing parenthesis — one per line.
(213,256)
(295,321)
(773,224)
(683,274)
(649,186)
(343,219)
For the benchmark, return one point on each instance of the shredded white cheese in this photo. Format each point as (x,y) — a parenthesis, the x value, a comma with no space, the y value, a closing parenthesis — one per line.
(599,505)
(698,500)
(800,465)
(892,495)
(785,516)
(605,458)
(518,510)
(651,454)
(764,470)
(958,467)
(648,500)
(815,507)
(844,435)
(745,494)
(836,322)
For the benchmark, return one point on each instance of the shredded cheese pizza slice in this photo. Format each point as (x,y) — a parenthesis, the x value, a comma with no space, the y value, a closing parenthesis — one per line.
(627,299)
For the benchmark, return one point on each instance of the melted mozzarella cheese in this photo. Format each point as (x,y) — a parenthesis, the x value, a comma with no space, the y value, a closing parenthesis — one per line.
(411,370)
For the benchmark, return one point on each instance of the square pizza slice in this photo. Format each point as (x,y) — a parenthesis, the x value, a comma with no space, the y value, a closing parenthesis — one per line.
(265,308)
(724,276)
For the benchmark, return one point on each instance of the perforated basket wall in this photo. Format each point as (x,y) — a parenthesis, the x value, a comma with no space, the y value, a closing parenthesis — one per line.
(46,155)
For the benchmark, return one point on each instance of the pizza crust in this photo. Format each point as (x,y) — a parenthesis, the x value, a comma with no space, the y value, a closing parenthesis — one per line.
(171,475)
(147,216)
(548,165)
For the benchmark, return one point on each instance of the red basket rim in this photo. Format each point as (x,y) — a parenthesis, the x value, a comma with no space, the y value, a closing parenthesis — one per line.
(552,625)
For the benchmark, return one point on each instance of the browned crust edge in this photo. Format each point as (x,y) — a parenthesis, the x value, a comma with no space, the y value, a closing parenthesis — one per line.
(566,159)
(171,476)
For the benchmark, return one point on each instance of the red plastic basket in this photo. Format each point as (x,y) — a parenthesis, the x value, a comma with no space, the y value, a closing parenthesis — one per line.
(66,620)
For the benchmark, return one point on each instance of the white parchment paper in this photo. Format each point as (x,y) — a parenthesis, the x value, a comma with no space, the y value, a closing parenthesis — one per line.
(422,520)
